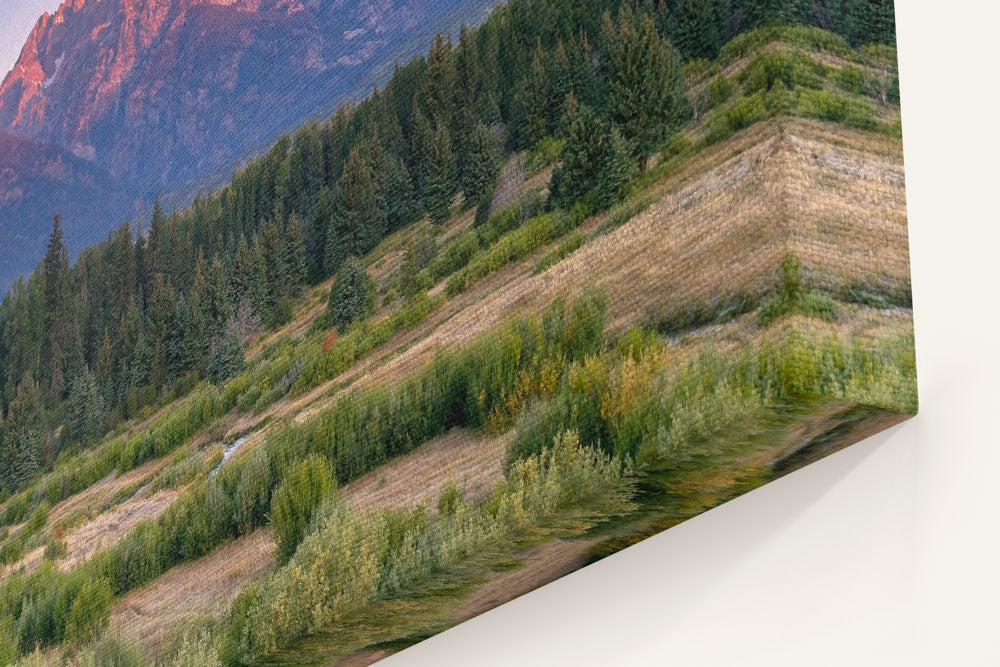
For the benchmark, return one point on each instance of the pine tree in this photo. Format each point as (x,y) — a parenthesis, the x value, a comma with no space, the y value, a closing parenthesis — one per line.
(536,100)
(421,148)
(23,433)
(581,155)
(317,235)
(484,164)
(440,80)
(402,206)
(359,218)
(617,166)
(227,358)
(441,181)
(869,21)
(55,269)
(647,95)
(86,407)
(699,28)
(294,254)
(352,294)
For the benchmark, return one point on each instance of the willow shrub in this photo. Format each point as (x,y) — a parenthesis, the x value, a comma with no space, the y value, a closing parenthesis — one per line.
(636,406)
(352,559)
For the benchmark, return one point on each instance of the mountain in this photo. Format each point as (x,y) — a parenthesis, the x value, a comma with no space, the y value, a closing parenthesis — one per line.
(159,93)
(81,191)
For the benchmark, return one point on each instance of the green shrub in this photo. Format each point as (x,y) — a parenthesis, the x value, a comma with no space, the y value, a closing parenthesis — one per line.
(88,614)
(353,559)
(826,105)
(809,38)
(720,90)
(794,298)
(111,650)
(301,491)
(449,500)
(739,115)
(569,245)
(794,70)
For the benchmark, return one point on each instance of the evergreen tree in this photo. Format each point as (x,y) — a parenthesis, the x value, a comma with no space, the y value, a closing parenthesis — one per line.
(55,267)
(581,156)
(421,149)
(401,205)
(21,449)
(227,358)
(868,21)
(86,408)
(537,100)
(441,181)
(317,235)
(484,165)
(360,216)
(352,294)
(699,28)
(294,255)
(617,166)
(647,95)
(440,80)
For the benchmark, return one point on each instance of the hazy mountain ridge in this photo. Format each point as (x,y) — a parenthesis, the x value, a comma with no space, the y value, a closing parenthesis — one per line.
(160,94)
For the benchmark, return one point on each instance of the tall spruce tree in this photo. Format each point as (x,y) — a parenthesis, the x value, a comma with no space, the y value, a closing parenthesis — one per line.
(483,164)
(647,94)
(23,433)
(55,267)
(352,294)
(441,181)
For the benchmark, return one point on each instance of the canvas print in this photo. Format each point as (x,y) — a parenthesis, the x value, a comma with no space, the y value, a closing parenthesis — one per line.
(330,325)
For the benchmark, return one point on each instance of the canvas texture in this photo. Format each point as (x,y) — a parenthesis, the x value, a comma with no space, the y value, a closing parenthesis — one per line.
(421,306)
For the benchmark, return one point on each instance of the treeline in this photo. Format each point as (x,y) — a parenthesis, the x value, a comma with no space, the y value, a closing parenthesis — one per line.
(84,346)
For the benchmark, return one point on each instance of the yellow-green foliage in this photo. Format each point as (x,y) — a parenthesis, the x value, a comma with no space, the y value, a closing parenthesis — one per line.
(353,559)
(813,39)
(292,506)
(516,245)
(635,405)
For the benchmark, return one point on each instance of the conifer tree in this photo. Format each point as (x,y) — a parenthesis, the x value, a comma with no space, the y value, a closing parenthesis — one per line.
(55,267)
(359,218)
(421,149)
(647,95)
(352,294)
(294,255)
(581,155)
(21,448)
(227,358)
(617,166)
(441,181)
(484,164)
(319,230)
(699,28)
(536,100)
(86,407)
(440,80)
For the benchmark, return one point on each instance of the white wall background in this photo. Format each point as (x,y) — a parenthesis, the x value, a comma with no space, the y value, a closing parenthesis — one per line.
(884,554)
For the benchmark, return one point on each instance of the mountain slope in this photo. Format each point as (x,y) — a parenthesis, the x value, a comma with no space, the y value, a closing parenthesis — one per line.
(162,93)
(81,191)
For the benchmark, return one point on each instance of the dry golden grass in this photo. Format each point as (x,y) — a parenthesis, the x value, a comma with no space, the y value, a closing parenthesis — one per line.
(108,528)
(204,586)
(470,461)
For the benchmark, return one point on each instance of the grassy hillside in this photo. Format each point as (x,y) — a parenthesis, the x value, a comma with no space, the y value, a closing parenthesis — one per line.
(524,395)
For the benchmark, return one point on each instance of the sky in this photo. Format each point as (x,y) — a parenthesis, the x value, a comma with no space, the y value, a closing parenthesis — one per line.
(17,18)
